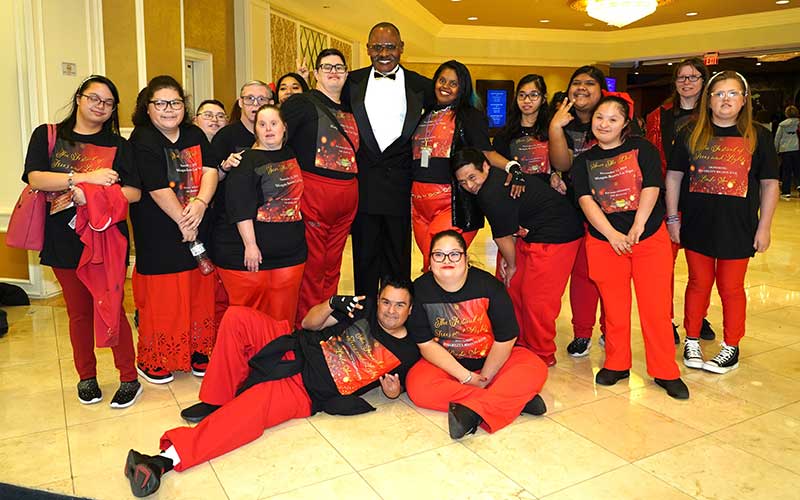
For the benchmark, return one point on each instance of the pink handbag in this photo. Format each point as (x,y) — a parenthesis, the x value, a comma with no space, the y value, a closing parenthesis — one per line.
(26,226)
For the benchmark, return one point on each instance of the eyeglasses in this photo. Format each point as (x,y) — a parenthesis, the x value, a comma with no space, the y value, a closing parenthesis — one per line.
(454,256)
(252,100)
(377,47)
(533,96)
(688,78)
(584,83)
(722,94)
(208,115)
(333,68)
(95,100)
(175,104)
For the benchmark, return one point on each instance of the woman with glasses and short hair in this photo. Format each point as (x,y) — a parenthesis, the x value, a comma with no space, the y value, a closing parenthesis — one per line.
(323,133)
(464,324)
(210,117)
(175,300)
(723,175)
(85,155)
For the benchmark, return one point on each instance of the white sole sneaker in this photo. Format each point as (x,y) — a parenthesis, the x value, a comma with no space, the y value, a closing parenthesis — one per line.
(197,373)
(129,403)
(155,380)
(697,364)
(714,368)
(90,402)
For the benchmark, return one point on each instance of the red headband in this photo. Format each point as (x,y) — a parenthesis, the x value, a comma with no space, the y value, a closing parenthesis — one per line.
(625,97)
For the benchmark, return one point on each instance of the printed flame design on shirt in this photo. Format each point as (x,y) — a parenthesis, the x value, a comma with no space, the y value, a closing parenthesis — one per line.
(721,168)
(333,150)
(532,155)
(79,157)
(282,186)
(435,131)
(463,328)
(355,358)
(580,141)
(184,171)
(616,183)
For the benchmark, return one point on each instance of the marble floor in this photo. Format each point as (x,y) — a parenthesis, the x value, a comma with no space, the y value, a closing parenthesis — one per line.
(738,437)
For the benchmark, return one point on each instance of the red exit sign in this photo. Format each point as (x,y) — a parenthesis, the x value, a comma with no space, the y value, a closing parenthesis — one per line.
(711,58)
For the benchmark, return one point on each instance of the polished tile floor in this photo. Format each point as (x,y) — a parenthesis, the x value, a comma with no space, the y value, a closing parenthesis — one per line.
(738,437)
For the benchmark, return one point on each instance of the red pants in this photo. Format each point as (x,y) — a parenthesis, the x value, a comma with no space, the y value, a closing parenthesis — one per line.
(649,268)
(329,207)
(242,418)
(729,275)
(518,381)
(176,318)
(272,291)
(583,297)
(432,213)
(80,310)
(536,290)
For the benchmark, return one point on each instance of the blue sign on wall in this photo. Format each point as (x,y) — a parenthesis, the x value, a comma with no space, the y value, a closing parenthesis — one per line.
(496,107)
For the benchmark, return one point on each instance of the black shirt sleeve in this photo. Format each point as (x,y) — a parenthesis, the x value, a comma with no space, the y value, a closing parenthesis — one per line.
(301,129)
(37,158)
(501,311)
(580,178)
(150,159)
(125,165)
(650,164)
(241,195)
(476,130)
(500,209)
(766,157)
(502,144)
(679,158)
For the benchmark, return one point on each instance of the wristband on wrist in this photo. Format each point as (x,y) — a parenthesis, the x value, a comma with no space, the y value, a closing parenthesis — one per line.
(511,164)
(71,180)
(197,198)
(673,219)
(467,380)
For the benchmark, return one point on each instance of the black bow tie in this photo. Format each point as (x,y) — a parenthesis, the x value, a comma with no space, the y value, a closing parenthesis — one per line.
(390,76)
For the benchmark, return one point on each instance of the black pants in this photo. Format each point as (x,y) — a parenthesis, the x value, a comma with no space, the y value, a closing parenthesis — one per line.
(381,248)
(790,169)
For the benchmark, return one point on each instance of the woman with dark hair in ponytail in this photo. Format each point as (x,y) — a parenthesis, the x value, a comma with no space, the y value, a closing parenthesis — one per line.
(87,156)
(455,122)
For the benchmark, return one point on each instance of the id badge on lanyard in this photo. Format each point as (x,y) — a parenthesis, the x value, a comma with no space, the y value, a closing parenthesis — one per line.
(425,156)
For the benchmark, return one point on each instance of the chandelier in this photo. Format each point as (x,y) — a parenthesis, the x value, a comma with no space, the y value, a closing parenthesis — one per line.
(617,13)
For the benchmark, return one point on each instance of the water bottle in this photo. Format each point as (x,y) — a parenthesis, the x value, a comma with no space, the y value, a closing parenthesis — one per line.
(201,256)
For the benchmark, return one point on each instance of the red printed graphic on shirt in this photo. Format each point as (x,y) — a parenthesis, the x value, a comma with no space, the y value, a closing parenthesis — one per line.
(463,328)
(78,157)
(533,155)
(435,132)
(184,172)
(616,183)
(721,168)
(281,185)
(355,358)
(580,141)
(334,152)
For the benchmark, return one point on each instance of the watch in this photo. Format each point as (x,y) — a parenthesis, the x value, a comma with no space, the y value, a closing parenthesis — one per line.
(71,180)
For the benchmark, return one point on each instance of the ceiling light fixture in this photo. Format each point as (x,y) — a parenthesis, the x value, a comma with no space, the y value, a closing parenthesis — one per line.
(692,14)
(782,2)
(472,18)
(544,20)
(617,13)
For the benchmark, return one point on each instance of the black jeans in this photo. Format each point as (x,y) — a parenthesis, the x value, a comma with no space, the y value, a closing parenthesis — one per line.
(790,170)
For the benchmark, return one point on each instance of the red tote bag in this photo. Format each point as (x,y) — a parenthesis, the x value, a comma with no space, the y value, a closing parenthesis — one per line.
(26,226)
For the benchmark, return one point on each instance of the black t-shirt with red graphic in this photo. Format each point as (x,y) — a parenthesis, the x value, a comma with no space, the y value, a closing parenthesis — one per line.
(540,215)
(265,188)
(161,164)
(466,322)
(532,154)
(321,148)
(614,178)
(437,134)
(721,191)
(81,153)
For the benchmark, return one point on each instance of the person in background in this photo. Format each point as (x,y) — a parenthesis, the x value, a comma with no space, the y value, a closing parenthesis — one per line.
(290,84)
(210,117)
(786,142)
(87,150)
(723,177)
(174,298)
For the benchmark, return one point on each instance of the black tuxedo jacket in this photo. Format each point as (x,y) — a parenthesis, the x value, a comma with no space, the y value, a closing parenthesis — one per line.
(384,178)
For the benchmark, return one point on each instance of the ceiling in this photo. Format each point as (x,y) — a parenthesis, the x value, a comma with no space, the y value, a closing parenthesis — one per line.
(528,13)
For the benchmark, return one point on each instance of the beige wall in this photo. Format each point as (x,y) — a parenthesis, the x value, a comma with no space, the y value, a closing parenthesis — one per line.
(162,31)
(208,26)
(119,33)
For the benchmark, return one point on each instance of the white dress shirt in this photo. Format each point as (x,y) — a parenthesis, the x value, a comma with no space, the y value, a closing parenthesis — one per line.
(385,102)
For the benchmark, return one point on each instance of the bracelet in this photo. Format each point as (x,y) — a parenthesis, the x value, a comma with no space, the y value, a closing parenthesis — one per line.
(197,198)
(673,219)
(511,164)
(466,380)
(71,180)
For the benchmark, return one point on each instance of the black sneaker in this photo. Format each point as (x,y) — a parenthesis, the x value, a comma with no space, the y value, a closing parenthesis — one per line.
(675,388)
(144,472)
(706,332)
(692,353)
(197,412)
(127,394)
(89,392)
(199,364)
(675,336)
(611,377)
(725,361)
(462,421)
(535,406)
(157,376)
(579,347)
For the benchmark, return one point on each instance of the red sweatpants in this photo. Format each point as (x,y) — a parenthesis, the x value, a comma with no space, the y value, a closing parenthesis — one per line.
(329,207)
(80,310)
(432,213)
(729,275)
(536,290)
(584,297)
(649,268)
(518,381)
(272,291)
(242,418)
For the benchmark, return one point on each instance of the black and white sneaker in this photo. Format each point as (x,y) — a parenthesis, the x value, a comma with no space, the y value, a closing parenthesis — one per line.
(157,376)
(725,361)
(89,392)
(579,347)
(692,354)
(127,394)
